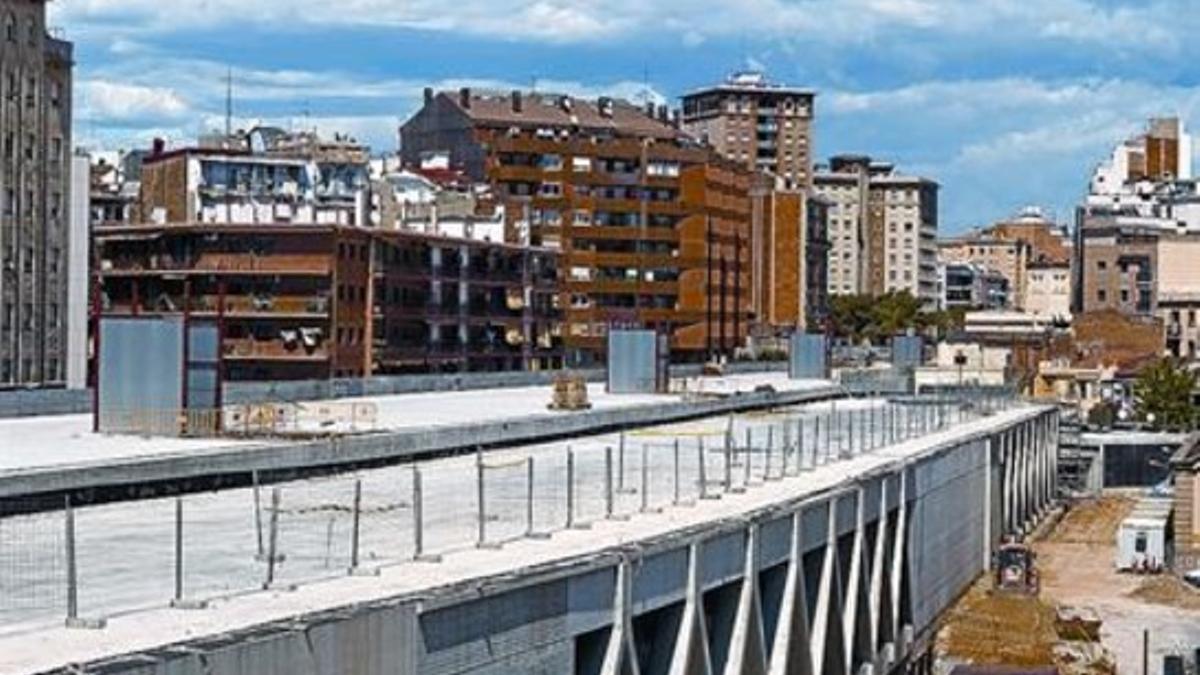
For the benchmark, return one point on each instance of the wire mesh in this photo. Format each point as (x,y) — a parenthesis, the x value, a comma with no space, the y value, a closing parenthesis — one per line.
(32,567)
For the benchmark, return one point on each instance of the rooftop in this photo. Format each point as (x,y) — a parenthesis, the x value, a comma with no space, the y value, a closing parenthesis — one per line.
(751,82)
(523,109)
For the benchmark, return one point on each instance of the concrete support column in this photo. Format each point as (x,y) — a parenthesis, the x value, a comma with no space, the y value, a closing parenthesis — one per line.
(691,655)
(820,626)
(621,656)
(988,492)
(850,607)
(790,654)
(747,648)
(875,591)
(1008,459)
(897,571)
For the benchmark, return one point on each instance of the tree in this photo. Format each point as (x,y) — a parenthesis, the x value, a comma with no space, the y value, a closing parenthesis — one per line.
(894,313)
(850,316)
(1163,394)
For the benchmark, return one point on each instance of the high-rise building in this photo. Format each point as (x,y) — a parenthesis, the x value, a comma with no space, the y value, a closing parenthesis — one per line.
(763,125)
(882,229)
(35,142)
(654,228)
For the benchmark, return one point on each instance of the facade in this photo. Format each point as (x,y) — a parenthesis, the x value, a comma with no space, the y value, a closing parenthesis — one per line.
(765,126)
(971,286)
(882,228)
(1048,290)
(35,174)
(654,229)
(1007,257)
(334,301)
(1185,474)
(791,252)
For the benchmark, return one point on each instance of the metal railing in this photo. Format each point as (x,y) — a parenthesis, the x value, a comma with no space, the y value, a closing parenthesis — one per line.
(88,563)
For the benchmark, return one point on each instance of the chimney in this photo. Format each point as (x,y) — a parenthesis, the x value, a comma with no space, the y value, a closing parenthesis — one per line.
(464,97)
(428,95)
(159,147)
(565,102)
(662,114)
(605,106)
(676,118)
(650,109)
(516,101)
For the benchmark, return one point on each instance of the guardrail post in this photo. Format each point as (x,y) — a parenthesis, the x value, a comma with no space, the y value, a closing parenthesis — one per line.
(645,486)
(257,514)
(529,496)
(418,511)
(675,465)
(770,451)
(73,620)
(178,602)
(608,481)
(272,540)
(572,524)
(746,459)
(702,470)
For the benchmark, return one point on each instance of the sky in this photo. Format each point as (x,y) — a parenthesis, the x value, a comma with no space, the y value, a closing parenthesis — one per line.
(1006,103)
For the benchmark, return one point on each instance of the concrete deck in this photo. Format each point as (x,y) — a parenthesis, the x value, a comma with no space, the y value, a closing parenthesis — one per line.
(153,629)
(60,453)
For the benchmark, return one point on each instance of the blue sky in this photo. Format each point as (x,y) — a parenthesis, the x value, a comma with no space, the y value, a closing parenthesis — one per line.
(1005,102)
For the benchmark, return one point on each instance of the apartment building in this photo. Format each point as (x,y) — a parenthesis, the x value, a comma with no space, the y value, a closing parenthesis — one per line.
(1048,289)
(274,236)
(1007,257)
(654,229)
(791,253)
(972,286)
(764,125)
(35,142)
(882,229)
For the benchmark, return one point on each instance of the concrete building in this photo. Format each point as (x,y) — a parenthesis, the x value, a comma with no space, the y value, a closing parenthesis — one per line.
(1048,290)
(1007,257)
(654,229)
(882,227)
(35,174)
(972,286)
(764,125)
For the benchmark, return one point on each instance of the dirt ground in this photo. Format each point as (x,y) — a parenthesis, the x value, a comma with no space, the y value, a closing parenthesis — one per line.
(1075,561)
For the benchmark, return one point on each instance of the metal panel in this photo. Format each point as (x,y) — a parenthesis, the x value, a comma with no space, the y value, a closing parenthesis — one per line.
(203,362)
(907,351)
(808,357)
(633,362)
(141,373)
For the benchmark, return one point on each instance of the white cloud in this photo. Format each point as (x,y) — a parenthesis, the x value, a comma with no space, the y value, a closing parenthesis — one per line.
(1151,26)
(115,101)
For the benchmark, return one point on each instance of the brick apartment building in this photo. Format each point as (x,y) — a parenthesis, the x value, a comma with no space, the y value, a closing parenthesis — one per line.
(272,238)
(764,125)
(654,229)
(35,142)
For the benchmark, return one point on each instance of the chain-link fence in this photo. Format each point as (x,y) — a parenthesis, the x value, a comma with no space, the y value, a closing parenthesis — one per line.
(92,562)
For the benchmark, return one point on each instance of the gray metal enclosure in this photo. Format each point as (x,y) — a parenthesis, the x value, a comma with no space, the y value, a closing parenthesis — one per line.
(635,363)
(158,375)
(140,373)
(908,351)
(808,357)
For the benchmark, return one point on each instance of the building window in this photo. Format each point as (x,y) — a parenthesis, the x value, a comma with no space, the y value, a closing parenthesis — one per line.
(10,28)
(1101,264)
(1101,295)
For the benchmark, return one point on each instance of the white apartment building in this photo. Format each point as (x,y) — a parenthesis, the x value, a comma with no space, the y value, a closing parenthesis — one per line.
(882,229)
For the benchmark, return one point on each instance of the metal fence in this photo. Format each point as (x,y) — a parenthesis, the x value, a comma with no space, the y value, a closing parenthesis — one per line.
(87,563)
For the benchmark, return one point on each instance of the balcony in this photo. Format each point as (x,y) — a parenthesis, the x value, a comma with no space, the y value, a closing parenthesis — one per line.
(248,349)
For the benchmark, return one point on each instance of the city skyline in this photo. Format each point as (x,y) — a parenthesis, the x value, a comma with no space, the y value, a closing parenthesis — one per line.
(1000,121)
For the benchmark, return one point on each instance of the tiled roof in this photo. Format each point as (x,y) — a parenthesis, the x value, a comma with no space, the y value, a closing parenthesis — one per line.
(549,110)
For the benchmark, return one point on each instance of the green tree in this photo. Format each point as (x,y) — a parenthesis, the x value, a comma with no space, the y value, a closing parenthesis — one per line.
(850,316)
(1163,393)
(894,313)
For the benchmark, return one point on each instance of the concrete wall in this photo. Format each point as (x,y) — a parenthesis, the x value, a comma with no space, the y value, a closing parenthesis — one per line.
(849,580)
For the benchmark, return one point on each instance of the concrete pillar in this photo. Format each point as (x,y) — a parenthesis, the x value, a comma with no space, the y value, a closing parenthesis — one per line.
(850,606)
(897,571)
(875,592)
(621,656)
(691,655)
(825,590)
(988,496)
(747,648)
(790,654)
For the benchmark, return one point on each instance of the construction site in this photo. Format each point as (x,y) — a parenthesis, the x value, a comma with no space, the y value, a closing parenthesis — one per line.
(1074,611)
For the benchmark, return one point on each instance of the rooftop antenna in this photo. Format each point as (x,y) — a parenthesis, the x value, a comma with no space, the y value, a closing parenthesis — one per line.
(229,102)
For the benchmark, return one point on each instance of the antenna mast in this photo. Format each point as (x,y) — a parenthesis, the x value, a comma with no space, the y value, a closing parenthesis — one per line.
(229,103)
